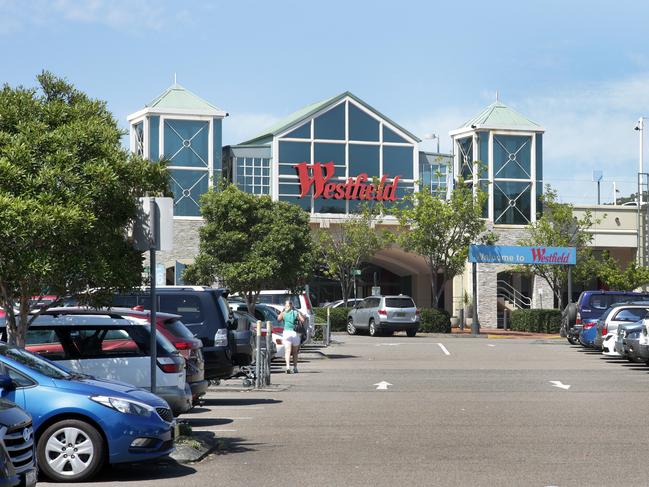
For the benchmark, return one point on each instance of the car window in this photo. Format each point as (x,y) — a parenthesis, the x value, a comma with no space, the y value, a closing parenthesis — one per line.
(599,301)
(177,329)
(34,362)
(399,303)
(630,314)
(45,343)
(21,380)
(373,302)
(225,309)
(186,305)
(129,341)
(279,299)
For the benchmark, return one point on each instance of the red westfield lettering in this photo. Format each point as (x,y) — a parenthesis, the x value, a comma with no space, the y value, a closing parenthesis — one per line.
(319,174)
(540,256)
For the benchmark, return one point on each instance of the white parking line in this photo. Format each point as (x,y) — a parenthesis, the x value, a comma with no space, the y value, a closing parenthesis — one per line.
(444,349)
(216,430)
(243,417)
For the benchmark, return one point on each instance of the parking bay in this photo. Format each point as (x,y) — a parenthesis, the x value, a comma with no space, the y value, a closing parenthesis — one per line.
(486,413)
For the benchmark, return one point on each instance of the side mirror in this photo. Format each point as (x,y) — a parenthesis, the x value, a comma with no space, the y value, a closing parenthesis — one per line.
(7,383)
(233,324)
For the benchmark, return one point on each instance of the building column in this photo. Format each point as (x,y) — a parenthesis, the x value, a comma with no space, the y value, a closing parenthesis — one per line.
(487,291)
(542,295)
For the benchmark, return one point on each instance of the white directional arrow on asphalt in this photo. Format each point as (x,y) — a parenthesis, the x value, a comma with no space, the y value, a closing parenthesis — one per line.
(557,383)
(383,386)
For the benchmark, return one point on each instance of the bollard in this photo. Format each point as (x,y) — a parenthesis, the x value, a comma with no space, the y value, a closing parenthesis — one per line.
(269,356)
(258,356)
(327,332)
(505,319)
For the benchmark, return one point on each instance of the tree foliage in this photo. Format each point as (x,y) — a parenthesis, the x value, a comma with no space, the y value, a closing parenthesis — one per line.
(68,191)
(611,273)
(558,227)
(441,230)
(342,248)
(251,243)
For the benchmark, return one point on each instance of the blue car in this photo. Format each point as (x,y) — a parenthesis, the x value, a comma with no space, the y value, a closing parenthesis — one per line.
(81,422)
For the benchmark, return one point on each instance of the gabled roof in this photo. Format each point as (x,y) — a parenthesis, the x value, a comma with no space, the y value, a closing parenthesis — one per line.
(179,100)
(500,116)
(306,112)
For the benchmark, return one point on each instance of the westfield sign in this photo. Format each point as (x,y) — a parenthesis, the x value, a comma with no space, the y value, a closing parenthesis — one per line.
(358,188)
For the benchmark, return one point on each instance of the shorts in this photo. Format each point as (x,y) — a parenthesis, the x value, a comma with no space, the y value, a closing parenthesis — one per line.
(291,337)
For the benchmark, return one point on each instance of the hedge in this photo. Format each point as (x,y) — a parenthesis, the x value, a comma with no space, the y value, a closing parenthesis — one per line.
(432,320)
(536,320)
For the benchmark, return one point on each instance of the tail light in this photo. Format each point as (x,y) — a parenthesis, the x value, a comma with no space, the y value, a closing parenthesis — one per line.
(307,301)
(605,330)
(383,312)
(169,365)
(418,312)
(139,307)
(278,330)
(588,326)
(184,348)
(578,319)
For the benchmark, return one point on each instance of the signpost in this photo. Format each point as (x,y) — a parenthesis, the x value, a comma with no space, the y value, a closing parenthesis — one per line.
(516,255)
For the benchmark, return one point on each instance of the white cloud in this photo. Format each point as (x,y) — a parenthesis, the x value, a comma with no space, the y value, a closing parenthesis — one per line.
(16,15)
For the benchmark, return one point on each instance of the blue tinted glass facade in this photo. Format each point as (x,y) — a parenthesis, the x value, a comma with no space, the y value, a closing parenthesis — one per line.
(512,157)
(217,152)
(362,126)
(397,161)
(331,124)
(303,132)
(465,153)
(154,138)
(186,143)
(329,153)
(138,130)
(364,159)
(252,174)
(512,202)
(390,135)
(187,187)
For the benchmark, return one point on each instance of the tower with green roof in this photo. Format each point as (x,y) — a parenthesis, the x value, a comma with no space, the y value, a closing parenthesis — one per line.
(501,151)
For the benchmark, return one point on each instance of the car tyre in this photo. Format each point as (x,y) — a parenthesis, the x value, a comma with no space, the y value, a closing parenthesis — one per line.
(572,340)
(351,329)
(76,467)
(411,333)
(373,330)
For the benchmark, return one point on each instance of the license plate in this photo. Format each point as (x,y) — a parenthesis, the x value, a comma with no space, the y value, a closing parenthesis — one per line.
(30,478)
(401,315)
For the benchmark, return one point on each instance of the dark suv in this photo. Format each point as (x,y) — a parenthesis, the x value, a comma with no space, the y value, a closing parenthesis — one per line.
(205,312)
(17,460)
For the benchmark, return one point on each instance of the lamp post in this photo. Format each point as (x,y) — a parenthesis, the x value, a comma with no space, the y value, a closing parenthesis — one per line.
(640,128)
(432,136)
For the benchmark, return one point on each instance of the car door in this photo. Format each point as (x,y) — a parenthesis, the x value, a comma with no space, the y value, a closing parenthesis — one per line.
(358,314)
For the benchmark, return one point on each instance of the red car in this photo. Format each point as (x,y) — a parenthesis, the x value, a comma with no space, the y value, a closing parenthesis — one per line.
(187,345)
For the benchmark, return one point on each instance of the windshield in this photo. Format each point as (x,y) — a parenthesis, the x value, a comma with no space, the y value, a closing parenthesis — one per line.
(34,362)
(279,299)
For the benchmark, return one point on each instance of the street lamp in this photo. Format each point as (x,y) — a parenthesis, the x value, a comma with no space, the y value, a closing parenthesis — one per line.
(432,136)
(640,128)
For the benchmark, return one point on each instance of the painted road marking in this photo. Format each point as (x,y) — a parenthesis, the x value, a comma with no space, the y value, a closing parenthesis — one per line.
(242,417)
(490,345)
(215,430)
(444,349)
(382,386)
(557,383)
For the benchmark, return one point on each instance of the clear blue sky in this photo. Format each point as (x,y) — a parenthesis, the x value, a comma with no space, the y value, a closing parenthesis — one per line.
(580,68)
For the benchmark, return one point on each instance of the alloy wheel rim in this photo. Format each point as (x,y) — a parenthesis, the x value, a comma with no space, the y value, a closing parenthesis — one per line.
(69,451)
(350,328)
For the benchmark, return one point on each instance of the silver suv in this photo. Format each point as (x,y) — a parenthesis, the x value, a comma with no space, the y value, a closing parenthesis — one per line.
(384,314)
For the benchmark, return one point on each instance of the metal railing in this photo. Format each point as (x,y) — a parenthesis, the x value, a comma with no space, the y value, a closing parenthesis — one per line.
(507,291)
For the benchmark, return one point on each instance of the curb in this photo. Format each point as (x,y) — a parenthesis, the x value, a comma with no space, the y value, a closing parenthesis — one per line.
(186,453)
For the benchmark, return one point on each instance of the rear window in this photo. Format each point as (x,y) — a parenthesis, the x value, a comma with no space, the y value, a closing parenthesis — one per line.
(603,301)
(399,303)
(631,314)
(186,305)
(177,329)
(279,299)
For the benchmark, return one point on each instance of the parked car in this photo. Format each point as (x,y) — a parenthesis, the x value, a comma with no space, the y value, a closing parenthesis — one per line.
(264,313)
(643,342)
(205,312)
(108,346)
(616,315)
(245,319)
(581,317)
(384,314)
(80,422)
(17,454)
(626,335)
(301,302)
(341,303)
(183,340)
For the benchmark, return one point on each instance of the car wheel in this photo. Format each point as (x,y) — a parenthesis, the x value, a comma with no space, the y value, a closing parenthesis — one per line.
(572,340)
(70,451)
(351,329)
(411,333)
(373,330)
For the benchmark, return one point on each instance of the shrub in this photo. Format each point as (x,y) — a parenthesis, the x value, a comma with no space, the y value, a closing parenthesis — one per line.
(435,321)
(337,317)
(536,320)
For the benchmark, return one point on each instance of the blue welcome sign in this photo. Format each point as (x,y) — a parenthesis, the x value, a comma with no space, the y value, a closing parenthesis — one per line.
(511,254)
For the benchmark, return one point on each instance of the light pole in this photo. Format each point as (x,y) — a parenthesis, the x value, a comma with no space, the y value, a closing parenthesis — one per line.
(432,136)
(640,128)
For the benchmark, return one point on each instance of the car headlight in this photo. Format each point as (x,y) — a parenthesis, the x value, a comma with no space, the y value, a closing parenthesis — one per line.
(125,406)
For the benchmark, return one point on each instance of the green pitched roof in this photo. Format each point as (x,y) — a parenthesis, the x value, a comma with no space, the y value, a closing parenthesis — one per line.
(500,116)
(304,113)
(176,97)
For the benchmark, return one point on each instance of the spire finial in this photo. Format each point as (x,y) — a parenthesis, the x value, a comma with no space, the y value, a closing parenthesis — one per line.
(175,78)
(497,96)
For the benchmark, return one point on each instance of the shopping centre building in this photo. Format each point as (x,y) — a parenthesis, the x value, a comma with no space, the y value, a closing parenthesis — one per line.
(330,156)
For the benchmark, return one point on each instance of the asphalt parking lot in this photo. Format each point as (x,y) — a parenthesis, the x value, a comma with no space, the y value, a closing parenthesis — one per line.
(430,410)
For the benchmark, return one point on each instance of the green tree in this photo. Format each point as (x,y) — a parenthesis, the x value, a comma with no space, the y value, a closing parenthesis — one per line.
(558,227)
(251,243)
(611,273)
(441,230)
(342,248)
(68,191)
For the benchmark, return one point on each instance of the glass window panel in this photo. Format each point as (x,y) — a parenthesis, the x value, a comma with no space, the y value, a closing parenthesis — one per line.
(302,132)
(483,147)
(138,128)
(364,159)
(331,124)
(465,153)
(289,189)
(397,161)
(186,142)
(294,152)
(287,170)
(328,153)
(187,187)
(362,126)
(512,202)
(512,155)
(390,135)
(322,205)
(305,203)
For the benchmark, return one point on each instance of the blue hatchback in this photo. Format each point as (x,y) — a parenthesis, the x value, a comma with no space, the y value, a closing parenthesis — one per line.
(81,422)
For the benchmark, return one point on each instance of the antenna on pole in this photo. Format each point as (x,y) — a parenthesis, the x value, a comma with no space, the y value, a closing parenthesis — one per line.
(497,96)
(175,78)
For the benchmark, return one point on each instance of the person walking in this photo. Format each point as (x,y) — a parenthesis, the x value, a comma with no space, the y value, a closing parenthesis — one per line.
(291,338)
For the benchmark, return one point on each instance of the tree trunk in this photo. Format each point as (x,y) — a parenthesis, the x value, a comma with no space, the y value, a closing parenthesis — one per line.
(345,289)
(433,286)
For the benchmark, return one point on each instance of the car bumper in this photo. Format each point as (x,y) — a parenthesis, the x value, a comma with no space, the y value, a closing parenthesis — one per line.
(179,400)
(632,347)
(398,326)
(218,364)
(608,346)
(122,430)
(642,352)
(198,388)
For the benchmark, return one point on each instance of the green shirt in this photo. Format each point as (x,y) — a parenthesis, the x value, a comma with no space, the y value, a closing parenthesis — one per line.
(290,320)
